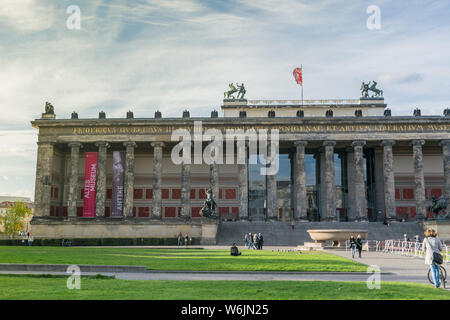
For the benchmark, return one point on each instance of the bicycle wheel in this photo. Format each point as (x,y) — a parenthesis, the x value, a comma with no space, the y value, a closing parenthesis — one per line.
(443,276)
(443,272)
(430,276)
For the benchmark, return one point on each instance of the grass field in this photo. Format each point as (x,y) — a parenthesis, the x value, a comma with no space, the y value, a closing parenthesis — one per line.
(54,288)
(182,259)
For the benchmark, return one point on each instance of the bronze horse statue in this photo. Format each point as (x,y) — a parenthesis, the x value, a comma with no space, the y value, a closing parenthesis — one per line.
(438,205)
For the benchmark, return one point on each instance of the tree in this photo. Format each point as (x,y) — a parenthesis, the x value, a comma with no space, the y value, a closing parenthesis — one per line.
(13,220)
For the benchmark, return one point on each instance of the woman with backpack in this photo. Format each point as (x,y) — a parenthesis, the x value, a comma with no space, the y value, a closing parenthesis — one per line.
(433,247)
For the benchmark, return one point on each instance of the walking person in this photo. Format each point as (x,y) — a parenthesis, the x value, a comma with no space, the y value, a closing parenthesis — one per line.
(251,241)
(293,223)
(186,240)
(246,240)
(261,241)
(359,245)
(433,247)
(180,240)
(30,239)
(255,241)
(352,246)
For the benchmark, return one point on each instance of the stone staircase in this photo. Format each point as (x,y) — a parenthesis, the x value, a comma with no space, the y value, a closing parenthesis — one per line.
(278,233)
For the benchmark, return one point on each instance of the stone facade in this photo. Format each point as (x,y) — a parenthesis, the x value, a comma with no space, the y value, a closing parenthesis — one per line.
(157,191)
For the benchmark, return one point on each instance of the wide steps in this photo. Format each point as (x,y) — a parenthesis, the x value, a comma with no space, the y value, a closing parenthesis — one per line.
(279,233)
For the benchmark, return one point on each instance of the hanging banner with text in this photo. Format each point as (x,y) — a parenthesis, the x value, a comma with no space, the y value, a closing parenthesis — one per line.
(90,183)
(117,187)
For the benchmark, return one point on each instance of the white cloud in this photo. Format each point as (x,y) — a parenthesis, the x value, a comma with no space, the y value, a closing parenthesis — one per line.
(26,15)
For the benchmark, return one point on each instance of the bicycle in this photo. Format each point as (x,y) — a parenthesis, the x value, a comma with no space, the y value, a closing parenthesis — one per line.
(442,276)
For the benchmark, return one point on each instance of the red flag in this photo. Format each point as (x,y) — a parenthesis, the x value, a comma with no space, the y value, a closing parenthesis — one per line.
(298,75)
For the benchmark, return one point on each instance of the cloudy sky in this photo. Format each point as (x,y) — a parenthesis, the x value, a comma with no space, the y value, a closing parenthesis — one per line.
(173,55)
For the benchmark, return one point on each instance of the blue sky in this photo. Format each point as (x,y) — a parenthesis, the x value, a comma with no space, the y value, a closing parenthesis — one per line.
(181,54)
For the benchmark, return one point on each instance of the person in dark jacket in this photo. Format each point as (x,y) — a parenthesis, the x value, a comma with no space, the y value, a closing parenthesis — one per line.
(352,246)
(234,251)
(261,241)
(359,245)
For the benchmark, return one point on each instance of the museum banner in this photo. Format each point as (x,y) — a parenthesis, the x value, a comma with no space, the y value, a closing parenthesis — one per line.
(90,184)
(117,187)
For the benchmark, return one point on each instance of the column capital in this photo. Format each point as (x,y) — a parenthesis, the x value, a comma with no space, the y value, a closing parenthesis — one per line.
(75,145)
(130,144)
(358,143)
(385,143)
(300,143)
(157,144)
(445,142)
(102,144)
(329,143)
(417,142)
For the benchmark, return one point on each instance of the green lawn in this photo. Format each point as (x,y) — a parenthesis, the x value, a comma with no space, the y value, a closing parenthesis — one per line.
(182,259)
(54,288)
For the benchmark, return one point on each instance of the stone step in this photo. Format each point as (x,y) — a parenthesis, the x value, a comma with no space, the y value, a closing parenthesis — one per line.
(280,233)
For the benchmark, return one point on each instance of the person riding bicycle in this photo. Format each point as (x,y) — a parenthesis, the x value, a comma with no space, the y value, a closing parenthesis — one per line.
(433,247)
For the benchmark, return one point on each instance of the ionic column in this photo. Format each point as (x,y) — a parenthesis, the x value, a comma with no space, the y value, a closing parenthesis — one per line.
(330,186)
(271,185)
(389,181)
(446,160)
(74,177)
(185,190)
(214,181)
(157,178)
(100,196)
(419,179)
(42,195)
(129,179)
(359,186)
(243,182)
(300,202)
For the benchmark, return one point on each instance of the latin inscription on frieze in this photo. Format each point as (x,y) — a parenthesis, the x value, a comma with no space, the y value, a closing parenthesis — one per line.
(297,128)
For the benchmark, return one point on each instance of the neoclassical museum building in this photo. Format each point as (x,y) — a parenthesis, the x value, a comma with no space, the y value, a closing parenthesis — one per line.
(339,160)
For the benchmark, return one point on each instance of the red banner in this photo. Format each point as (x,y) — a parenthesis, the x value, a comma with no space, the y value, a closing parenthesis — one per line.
(298,75)
(90,184)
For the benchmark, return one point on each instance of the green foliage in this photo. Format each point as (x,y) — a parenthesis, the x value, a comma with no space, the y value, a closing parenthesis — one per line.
(13,220)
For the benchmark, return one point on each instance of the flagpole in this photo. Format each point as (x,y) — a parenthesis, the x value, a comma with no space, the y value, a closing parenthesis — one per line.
(301,66)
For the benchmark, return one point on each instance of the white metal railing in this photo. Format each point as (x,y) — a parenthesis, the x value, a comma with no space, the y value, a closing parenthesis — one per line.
(400,247)
(314,101)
